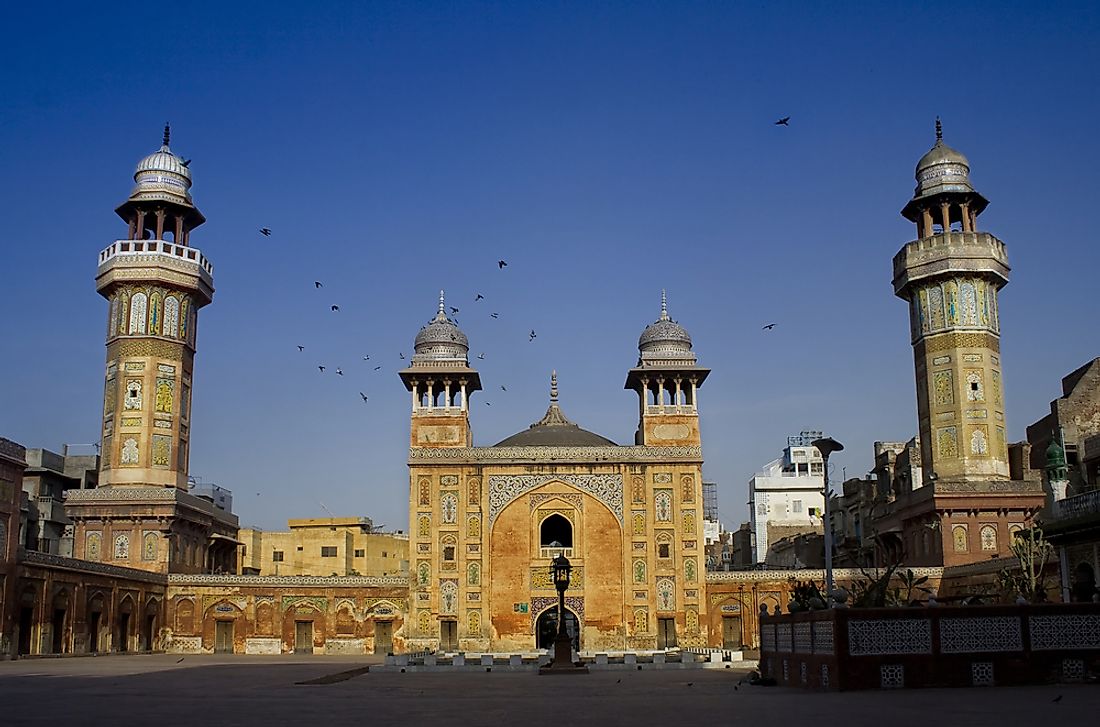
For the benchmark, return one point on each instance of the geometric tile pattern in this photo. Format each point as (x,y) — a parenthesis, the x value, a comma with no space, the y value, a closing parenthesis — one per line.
(783,638)
(892,676)
(981,673)
(994,633)
(1065,632)
(823,637)
(767,638)
(824,676)
(802,643)
(889,636)
(1073,670)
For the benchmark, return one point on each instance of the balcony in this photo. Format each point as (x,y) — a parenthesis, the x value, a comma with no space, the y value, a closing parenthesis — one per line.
(1087,504)
(124,248)
(555,552)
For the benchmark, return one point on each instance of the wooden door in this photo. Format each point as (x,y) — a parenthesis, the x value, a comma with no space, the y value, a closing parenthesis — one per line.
(731,632)
(666,633)
(383,637)
(303,637)
(223,637)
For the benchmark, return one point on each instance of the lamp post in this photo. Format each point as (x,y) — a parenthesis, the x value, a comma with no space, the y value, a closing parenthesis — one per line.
(827,445)
(560,570)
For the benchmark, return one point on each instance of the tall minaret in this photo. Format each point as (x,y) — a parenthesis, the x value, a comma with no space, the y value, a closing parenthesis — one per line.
(667,381)
(155,284)
(440,380)
(142,515)
(950,275)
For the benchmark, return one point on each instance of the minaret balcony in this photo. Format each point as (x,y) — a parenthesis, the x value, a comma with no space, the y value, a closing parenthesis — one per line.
(948,253)
(439,411)
(135,254)
(687,409)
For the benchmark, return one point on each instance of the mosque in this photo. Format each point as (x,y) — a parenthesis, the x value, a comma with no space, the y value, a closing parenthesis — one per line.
(153,565)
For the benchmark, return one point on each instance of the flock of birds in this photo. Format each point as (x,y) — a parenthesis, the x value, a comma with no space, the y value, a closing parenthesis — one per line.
(501,264)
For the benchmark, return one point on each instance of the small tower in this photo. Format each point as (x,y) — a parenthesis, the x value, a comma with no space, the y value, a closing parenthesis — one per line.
(142,515)
(440,380)
(950,275)
(1057,472)
(667,381)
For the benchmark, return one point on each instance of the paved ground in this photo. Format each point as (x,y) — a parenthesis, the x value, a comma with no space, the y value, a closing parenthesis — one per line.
(161,691)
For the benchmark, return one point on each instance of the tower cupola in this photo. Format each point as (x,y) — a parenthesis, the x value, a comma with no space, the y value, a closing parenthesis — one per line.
(160,201)
(441,340)
(944,195)
(665,341)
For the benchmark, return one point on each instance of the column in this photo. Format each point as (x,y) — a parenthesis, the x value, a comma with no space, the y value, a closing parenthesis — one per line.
(132,227)
(160,224)
(447,393)
(694,405)
(945,211)
(643,396)
(926,217)
(178,237)
(661,391)
(431,394)
(678,400)
(462,384)
(140,225)
(416,396)
(966,217)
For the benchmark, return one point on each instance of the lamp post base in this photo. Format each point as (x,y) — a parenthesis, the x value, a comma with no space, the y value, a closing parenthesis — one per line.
(563,658)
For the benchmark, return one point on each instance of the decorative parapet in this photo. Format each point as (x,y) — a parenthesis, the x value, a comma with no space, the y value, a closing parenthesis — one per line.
(549,455)
(187,257)
(1005,487)
(34,557)
(183,579)
(807,574)
(154,495)
(1087,504)
(952,252)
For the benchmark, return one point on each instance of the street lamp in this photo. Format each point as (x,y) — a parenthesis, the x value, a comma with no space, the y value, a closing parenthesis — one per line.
(827,445)
(560,570)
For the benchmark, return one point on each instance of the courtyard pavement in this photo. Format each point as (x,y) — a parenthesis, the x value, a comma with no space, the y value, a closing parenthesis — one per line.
(162,690)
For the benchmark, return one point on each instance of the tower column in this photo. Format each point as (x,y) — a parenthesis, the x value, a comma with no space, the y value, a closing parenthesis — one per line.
(966,221)
(945,215)
(416,396)
(431,394)
(160,224)
(462,384)
(140,225)
(926,218)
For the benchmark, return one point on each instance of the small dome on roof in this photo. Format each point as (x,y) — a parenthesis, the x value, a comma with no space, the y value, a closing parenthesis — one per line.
(441,338)
(942,169)
(554,429)
(163,176)
(664,334)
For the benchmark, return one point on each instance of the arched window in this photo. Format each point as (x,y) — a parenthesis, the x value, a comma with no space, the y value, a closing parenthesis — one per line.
(137,313)
(122,547)
(171,316)
(666,595)
(556,532)
(448,507)
(958,536)
(989,537)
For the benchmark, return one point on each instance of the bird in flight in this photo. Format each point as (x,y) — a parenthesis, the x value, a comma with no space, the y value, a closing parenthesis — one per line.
(768,327)
(366,358)
(317,284)
(488,403)
(376,368)
(494,315)
(322,369)
(363,395)
(785,121)
(265,231)
(454,311)
(502,388)
(335,308)
(339,372)
(401,356)
(481,355)
(186,163)
(479,297)
(501,264)
(532,335)
(301,348)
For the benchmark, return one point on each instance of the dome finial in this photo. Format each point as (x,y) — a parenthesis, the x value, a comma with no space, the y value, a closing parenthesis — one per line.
(553,386)
(664,306)
(441,307)
(167,133)
(939,129)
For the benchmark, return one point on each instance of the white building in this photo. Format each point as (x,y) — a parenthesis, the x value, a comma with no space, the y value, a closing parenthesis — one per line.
(785,497)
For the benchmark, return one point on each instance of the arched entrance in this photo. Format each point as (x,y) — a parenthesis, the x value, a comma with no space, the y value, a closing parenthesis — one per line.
(546,628)
(57,622)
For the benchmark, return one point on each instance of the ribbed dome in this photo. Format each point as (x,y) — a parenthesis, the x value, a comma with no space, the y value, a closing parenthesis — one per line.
(942,169)
(664,335)
(441,338)
(162,176)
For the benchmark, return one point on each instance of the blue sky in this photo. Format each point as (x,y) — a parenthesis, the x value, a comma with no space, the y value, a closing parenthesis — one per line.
(606,150)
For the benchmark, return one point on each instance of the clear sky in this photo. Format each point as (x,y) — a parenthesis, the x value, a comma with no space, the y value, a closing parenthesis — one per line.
(605,150)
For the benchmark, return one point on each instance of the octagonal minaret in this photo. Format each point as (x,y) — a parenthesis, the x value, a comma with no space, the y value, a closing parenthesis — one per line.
(950,275)
(155,282)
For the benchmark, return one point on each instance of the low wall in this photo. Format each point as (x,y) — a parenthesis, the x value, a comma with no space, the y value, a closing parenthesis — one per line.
(924,647)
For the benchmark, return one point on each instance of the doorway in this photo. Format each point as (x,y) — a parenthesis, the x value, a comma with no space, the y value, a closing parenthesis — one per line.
(666,633)
(303,637)
(546,628)
(150,631)
(124,631)
(223,637)
(26,622)
(383,637)
(57,626)
(731,632)
(448,635)
(93,631)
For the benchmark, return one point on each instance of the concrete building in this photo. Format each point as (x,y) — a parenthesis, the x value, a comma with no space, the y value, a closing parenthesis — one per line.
(787,496)
(324,547)
(46,482)
(485,522)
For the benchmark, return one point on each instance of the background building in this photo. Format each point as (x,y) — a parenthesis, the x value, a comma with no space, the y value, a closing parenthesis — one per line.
(786,497)
(46,482)
(324,547)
